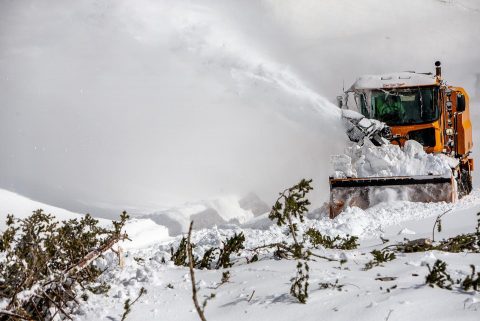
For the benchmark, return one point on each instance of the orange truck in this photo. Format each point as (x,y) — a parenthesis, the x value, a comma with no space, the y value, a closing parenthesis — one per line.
(415,106)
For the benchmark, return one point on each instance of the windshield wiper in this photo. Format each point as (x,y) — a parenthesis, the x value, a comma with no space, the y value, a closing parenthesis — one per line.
(421,103)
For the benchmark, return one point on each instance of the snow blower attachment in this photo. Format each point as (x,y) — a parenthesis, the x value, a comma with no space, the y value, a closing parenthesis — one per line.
(366,192)
(397,109)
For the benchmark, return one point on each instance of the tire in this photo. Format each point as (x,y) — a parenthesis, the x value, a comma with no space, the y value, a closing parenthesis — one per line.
(464,182)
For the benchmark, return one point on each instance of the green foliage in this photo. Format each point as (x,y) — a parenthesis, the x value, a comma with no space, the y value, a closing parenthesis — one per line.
(41,259)
(208,298)
(127,306)
(329,285)
(470,281)
(317,239)
(291,204)
(379,257)
(101,288)
(232,245)
(462,243)
(225,277)
(254,258)
(438,276)
(459,243)
(299,287)
(179,256)
(207,258)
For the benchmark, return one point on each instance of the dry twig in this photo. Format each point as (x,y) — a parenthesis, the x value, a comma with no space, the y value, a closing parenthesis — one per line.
(200,311)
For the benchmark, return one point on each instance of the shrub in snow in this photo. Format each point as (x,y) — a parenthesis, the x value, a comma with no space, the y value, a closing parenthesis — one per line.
(44,264)
(179,256)
(292,204)
(127,306)
(438,276)
(329,285)
(299,288)
(470,281)
(469,242)
(317,239)
(291,207)
(379,257)
(231,246)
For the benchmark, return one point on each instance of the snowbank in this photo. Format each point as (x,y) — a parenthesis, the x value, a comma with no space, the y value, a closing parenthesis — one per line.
(144,233)
(259,291)
(208,213)
(21,207)
(390,160)
(365,224)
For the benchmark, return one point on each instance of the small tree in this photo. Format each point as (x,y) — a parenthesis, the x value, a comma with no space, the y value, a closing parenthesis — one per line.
(45,260)
(439,276)
(292,205)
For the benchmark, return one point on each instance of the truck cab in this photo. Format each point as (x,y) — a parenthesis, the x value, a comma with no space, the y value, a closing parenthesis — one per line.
(421,107)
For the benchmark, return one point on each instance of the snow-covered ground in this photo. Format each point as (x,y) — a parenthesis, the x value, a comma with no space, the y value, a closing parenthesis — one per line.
(21,207)
(260,290)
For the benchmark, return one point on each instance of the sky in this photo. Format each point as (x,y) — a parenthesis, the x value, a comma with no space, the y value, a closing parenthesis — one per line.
(109,105)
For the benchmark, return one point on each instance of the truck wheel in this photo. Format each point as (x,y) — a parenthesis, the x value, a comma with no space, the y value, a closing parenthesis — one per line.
(464,182)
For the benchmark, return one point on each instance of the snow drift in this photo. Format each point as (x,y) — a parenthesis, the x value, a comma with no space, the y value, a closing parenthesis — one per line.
(391,160)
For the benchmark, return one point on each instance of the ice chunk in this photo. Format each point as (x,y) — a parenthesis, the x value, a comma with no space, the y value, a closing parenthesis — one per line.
(342,165)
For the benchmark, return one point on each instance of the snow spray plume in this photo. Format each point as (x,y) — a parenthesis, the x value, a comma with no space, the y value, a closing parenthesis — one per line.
(113,105)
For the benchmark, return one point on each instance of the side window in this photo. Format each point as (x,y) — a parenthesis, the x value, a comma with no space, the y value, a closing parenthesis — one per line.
(364,108)
(378,102)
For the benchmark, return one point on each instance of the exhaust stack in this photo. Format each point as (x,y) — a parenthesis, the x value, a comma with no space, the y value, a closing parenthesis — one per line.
(438,69)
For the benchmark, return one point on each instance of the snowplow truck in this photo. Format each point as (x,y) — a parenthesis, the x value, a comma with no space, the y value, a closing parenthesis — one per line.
(425,109)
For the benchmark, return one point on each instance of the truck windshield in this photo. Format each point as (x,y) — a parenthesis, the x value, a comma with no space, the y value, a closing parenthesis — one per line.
(405,106)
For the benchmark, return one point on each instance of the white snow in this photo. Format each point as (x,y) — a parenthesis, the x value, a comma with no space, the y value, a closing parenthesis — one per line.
(205,213)
(399,79)
(266,282)
(21,207)
(369,160)
(143,233)
(260,291)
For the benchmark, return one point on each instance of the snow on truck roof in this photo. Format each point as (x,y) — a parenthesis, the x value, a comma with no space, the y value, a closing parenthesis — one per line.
(394,80)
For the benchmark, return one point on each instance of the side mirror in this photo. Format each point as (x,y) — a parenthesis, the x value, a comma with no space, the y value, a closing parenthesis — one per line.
(460,103)
(340,101)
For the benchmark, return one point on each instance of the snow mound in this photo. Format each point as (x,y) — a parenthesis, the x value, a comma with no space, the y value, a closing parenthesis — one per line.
(143,233)
(208,213)
(21,207)
(369,160)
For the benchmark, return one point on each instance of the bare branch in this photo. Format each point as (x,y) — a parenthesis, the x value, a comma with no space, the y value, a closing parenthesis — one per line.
(192,275)
(15,315)
(90,257)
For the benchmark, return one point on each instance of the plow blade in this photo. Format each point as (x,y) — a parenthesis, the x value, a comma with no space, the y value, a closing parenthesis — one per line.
(366,192)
